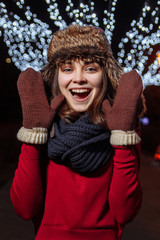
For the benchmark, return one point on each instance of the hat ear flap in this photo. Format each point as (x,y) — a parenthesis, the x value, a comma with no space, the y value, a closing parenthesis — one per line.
(114,71)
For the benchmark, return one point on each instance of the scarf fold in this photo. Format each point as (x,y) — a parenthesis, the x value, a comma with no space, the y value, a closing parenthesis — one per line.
(82,144)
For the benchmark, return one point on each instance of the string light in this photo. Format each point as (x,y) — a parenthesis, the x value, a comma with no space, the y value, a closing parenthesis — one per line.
(159,59)
(27,39)
(109,21)
(84,14)
(8,60)
(141,39)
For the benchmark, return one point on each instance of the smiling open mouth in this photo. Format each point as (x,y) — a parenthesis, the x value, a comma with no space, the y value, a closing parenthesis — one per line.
(80,93)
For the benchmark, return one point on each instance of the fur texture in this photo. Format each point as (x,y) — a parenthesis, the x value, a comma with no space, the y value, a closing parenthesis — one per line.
(85,42)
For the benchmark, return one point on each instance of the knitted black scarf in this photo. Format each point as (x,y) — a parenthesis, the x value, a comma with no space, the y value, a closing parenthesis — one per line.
(82,144)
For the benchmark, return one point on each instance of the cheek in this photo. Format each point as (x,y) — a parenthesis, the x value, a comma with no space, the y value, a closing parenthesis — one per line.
(63,79)
(98,82)
(61,82)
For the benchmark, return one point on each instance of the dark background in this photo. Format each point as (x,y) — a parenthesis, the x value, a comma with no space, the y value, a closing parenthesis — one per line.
(10,109)
(11,117)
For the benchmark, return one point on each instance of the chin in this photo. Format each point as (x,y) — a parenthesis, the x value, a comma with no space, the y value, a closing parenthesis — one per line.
(80,109)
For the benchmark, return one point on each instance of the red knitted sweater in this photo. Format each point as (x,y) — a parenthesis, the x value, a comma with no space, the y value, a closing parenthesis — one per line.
(77,207)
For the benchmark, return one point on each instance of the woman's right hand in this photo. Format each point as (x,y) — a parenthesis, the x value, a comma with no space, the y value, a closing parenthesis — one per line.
(37,114)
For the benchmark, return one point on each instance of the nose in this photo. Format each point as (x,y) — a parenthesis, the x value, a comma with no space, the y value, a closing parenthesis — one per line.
(79,77)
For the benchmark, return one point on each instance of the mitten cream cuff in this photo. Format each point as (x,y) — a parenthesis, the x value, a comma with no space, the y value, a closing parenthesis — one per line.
(33,136)
(120,138)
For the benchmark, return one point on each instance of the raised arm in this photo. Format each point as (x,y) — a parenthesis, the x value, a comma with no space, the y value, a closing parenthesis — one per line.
(27,187)
(125,196)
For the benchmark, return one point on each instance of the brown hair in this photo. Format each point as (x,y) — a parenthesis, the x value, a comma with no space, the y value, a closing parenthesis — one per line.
(89,44)
(50,76)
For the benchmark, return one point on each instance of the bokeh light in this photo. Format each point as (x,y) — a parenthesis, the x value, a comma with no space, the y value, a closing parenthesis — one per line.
(27,39)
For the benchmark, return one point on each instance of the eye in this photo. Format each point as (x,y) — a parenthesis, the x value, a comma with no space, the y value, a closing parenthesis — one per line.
(91,69)
(66,68)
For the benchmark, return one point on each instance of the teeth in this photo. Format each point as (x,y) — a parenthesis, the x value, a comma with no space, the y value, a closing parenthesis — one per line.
(80,90)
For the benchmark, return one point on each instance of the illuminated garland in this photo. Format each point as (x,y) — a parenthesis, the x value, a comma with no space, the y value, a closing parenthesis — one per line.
(27,43)
(27,40)
(141,40)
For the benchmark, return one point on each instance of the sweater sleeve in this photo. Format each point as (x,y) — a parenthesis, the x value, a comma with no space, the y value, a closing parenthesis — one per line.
(27,190)
(125,195)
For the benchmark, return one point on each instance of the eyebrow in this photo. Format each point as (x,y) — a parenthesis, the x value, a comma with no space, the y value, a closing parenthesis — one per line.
(85,62)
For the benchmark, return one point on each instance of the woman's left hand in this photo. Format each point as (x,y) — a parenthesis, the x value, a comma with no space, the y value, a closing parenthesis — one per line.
(122,115)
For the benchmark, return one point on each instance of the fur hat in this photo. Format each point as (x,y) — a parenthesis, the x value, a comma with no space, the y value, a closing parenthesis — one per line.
(85,42)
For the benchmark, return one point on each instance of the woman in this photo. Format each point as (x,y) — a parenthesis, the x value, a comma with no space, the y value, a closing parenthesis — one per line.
(77,176)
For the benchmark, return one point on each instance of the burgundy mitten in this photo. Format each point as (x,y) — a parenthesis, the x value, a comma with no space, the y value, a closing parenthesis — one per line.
(121,118)
(37,114)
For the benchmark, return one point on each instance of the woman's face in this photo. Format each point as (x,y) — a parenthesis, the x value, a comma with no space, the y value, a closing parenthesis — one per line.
(80,83)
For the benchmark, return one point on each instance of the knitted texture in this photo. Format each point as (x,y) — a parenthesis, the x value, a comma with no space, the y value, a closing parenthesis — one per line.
(37,114)
(33,136)
(119,138)
(123,115)
(35,106)
(82,144)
